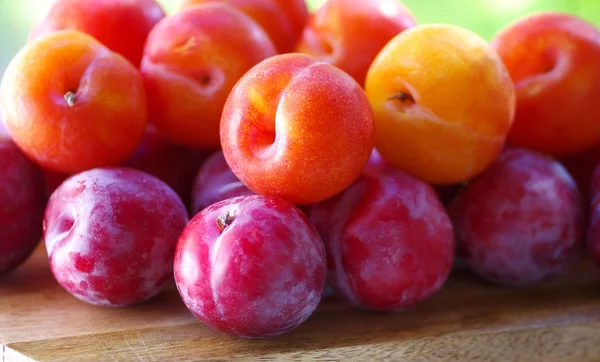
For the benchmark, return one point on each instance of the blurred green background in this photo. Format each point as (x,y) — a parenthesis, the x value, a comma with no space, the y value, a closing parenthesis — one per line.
(485,17)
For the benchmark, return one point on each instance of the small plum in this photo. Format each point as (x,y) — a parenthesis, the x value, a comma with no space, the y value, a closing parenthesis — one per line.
(22,203)
(389,241)
(251,266)
(111,235)
(519,222)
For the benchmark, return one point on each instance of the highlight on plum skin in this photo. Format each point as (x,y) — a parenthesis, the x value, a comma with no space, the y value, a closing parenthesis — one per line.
(389,241)
(111,235)
(215,182)
(251,266)
(3,130)
(521,221)
(22,203)
(375,162)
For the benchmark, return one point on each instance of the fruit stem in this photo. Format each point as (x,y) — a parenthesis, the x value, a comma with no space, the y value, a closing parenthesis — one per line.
(205,80)
(224,221)
(70,98)
(402,97)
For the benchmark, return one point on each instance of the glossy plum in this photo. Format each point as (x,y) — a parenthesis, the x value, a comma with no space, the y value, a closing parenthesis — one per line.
(297,128)
(68,119)
(191,62)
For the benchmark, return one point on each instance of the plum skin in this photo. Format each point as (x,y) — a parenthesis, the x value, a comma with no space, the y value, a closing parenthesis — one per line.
(215,182)
(22,203)
(251,266)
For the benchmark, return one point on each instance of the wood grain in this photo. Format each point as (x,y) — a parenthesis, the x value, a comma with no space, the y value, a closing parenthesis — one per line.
(468,321)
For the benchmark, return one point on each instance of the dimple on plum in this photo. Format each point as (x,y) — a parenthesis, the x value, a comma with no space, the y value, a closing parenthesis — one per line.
(192,60)
(389,240)
(297,128)
(111,235)
(519,222)
(251,266)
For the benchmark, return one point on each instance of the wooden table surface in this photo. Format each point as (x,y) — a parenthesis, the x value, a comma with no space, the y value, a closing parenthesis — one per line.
(468,321)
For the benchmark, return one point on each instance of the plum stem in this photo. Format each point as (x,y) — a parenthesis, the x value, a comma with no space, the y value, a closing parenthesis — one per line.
(402,97)
(205,80)
(70,98)
(224,221)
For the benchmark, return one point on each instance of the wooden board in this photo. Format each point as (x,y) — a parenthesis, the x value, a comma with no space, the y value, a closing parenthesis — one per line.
(468,321)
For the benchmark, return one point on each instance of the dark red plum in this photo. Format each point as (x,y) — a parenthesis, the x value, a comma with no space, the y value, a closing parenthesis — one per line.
(22,203)
(519,222)
(251,266)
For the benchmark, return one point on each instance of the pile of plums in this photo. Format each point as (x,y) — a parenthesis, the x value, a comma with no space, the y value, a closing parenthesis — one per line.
(256,153)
